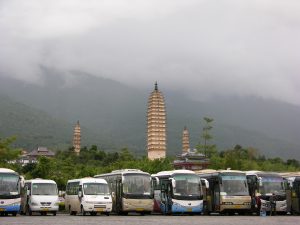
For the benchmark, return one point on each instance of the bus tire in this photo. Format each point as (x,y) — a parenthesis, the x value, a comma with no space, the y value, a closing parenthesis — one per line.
(54,213)
(82,211)
(28,211)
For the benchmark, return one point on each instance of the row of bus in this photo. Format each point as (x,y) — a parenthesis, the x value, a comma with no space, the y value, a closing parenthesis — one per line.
(167,192)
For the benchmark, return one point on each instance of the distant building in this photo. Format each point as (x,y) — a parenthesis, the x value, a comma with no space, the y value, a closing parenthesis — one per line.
(185,140)
(156,125)
(77,138)
(191,160)
(32,156)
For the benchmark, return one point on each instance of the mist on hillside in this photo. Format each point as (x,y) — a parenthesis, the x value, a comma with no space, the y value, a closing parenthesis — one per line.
(115,115)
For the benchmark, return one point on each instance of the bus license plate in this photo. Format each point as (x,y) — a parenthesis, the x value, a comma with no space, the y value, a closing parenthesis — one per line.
(2,209)
(238,207)
(189,209)
(99,209)
(45,209)
(139,209)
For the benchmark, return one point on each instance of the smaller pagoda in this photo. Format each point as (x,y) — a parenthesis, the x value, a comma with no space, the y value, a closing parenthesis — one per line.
(190,159)
(77,138)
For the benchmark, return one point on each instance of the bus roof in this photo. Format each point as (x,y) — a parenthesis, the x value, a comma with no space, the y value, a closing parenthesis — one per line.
(290,174)
(209,171)
(263,173)
(172,172)
(5,170)
(88,180)
(39,180)
(123,171)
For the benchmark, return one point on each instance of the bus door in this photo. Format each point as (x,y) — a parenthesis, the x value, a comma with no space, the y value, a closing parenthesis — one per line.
(296,196)
(24,198)
(206,195)
(27,193)
(216,198)
(118,195)
(252,182)
(288,192)
(165,197)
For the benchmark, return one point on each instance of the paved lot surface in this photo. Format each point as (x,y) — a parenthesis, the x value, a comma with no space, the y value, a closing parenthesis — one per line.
(65,219)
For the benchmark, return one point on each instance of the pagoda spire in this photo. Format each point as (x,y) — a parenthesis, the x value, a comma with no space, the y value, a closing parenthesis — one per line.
(155,86)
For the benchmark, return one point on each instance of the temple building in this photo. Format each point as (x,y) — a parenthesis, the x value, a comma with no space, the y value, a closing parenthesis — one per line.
(185,140)
(156,125)
(77,138)
(190,159)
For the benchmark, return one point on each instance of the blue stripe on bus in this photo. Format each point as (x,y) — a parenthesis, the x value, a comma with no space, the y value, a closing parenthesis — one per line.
(13,208)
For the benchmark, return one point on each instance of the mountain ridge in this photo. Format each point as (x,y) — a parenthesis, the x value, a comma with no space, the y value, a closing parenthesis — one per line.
(116,114)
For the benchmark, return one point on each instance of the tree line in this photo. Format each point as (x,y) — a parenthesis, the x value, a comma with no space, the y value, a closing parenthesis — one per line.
(67,165)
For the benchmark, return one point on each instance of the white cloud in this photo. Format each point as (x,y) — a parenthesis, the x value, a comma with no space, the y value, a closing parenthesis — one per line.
(209,47)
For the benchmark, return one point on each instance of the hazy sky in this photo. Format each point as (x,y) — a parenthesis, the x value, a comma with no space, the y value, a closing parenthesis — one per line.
(203,47)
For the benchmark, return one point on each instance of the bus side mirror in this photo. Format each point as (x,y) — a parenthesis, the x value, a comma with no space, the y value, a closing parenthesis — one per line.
(80,194)
(113,194)
(205,183)
(28,192)
(173,182)
(260,182)
(22,181)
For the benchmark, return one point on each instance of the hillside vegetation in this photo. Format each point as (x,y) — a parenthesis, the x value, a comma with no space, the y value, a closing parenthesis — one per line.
(113,116)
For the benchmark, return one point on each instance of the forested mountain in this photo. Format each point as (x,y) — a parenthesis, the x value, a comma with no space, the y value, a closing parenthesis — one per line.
(114,115)
(33,127)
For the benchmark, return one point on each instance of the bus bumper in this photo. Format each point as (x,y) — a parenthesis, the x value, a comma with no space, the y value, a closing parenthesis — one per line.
(10,208)
(179,208)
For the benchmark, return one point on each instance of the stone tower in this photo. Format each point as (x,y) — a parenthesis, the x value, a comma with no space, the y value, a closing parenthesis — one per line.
(156,125)
(185,140)
(77,138)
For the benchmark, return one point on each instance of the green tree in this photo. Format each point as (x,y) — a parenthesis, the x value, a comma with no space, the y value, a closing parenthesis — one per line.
(207,149)
(8,153)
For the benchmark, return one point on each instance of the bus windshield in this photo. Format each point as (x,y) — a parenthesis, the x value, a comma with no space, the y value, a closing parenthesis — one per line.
(187,185)
(95,189)
(137,184)
(9,184)
(44,189)
(234,185)
(272,185)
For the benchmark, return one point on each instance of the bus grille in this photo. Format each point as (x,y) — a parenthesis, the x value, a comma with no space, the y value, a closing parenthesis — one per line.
(45,203)
(100,206)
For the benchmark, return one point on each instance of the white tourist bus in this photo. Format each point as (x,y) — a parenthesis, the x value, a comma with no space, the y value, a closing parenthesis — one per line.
(269,191)
(178,191)
(131,191)
(39,195)
(10,185)
(88,195)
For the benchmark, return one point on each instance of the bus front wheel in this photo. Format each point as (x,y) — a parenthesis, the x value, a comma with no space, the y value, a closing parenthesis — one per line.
(82,211)
(28,210)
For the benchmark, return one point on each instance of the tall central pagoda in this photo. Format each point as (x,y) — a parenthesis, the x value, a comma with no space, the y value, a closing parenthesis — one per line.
(156,125)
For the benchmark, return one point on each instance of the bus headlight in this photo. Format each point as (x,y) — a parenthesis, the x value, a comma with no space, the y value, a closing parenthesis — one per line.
(227,203)
(14,204)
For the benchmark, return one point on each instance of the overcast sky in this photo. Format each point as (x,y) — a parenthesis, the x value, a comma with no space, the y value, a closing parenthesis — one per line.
(205,47)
